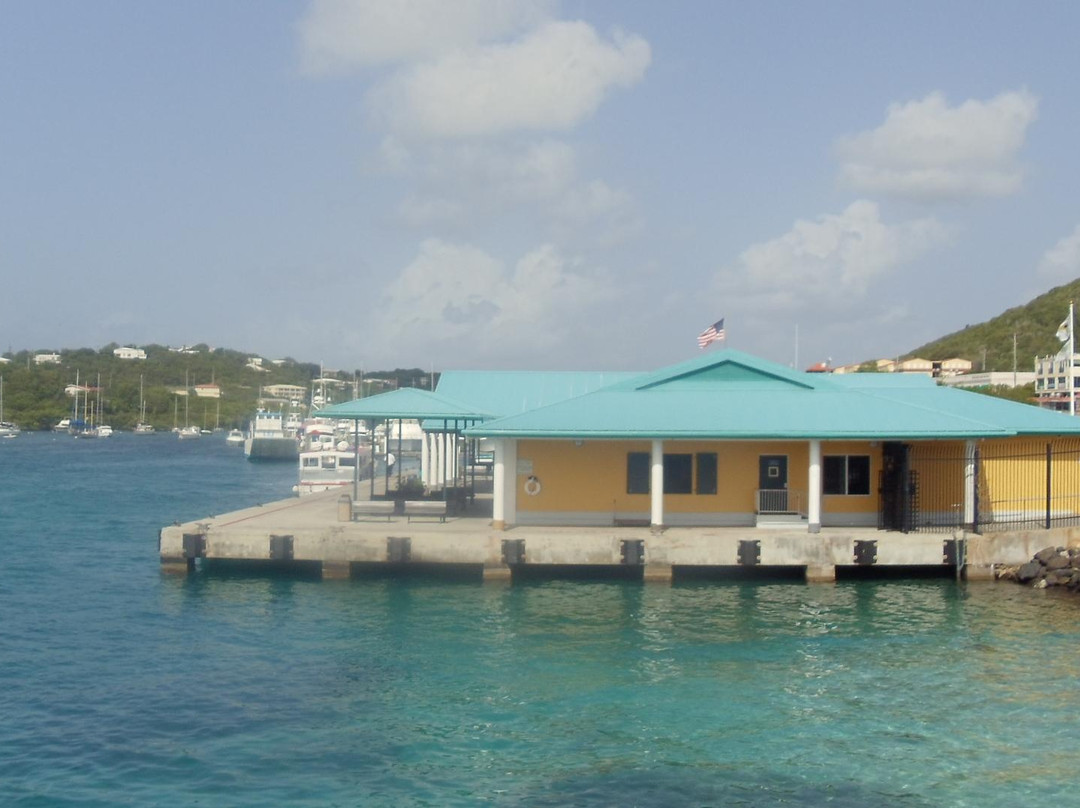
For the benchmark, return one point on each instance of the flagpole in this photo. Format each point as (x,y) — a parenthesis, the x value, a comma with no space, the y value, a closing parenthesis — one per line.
(1072,371)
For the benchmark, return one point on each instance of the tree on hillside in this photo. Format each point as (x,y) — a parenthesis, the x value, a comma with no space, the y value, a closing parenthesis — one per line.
(1033,324)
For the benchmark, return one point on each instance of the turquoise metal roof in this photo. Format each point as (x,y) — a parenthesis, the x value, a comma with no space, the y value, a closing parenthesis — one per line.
(731,395)
(409,403)
(508,392)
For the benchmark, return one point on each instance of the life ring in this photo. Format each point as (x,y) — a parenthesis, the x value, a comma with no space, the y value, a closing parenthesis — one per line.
(532,486)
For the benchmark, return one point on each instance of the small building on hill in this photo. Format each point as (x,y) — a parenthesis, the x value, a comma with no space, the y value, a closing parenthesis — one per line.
(129,353)
(1057,378)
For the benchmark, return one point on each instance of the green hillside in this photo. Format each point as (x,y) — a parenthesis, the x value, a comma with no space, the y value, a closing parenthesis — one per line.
(34,396)
(1034,325)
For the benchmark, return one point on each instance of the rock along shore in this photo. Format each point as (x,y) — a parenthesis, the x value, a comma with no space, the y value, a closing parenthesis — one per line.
(1051,566)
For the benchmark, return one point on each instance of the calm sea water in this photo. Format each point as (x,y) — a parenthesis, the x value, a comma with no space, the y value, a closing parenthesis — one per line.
(119,686)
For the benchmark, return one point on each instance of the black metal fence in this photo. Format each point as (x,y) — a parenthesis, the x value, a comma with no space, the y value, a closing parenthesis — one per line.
(1035,488)
(1017,486)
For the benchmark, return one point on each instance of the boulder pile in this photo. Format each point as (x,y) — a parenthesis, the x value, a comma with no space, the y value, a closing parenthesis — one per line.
(1051,566)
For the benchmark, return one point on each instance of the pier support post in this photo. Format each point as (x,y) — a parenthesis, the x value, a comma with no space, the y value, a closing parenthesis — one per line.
(177,566)
(344,508)
(494,574)
(820,573)
(336,570)
(657,574)
(979,572)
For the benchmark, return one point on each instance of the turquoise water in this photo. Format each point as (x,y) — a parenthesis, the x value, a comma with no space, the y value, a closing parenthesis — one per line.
(120,686)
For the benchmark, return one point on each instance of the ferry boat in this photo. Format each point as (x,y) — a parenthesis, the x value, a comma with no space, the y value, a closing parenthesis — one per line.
(327,463)
(268,439)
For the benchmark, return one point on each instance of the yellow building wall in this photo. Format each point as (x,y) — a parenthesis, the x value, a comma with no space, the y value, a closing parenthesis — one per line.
(592,476)
(1013,477)
(940,469)
(847,503)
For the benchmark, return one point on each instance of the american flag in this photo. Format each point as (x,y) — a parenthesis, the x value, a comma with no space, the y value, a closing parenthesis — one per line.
(713,333)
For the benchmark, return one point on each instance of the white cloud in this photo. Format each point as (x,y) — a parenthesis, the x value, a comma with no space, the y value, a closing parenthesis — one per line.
(551,79)
(1062,261)
(508,172)
(928,150)
(340,35)
(424,211)
(466,300)
(463,181)
(608,214)
(831,262)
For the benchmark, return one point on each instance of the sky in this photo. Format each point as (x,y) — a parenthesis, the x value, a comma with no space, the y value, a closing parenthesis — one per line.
(531,184)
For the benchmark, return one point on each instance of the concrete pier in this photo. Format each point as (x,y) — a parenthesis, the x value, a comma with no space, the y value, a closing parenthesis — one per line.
(317,528)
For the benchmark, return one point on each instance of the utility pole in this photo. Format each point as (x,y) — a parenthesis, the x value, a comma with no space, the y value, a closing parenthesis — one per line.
(1014,360)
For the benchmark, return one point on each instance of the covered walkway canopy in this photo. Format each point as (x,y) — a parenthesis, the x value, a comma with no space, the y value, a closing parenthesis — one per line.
(406,403)
(437,412)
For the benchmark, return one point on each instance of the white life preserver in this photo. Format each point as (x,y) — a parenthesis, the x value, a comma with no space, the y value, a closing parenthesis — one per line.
(532,486)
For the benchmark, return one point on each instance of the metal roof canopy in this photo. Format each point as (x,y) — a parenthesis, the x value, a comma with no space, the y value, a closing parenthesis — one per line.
(407,403)
(731,395)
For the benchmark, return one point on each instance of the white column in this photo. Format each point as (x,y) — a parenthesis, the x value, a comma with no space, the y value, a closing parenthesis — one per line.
(813,510)
(425,471)
(656,484)
(455,460)
(504,496)
(969,484)
(498,495)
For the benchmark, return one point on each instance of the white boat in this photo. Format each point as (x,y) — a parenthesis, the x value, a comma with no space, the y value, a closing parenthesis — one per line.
(328,464)
(63,425)
(268,439)
(142,428)
(7,428)
(95,429)
(234,438)
(188,432)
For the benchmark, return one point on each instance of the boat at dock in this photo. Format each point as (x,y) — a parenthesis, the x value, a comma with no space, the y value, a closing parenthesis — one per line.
(269,440)
(142,427)
(7,428)
(330,463)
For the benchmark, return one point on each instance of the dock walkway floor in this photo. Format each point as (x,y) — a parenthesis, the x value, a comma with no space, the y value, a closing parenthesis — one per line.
(320,528)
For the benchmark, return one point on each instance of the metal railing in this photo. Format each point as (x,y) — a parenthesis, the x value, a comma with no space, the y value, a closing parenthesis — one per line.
(780,500)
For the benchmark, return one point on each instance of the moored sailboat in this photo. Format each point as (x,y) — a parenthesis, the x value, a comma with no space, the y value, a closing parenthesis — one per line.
(142,427)
(7,428)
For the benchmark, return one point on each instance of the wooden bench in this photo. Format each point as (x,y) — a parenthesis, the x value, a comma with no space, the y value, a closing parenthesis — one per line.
(373,507)
(425,507)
